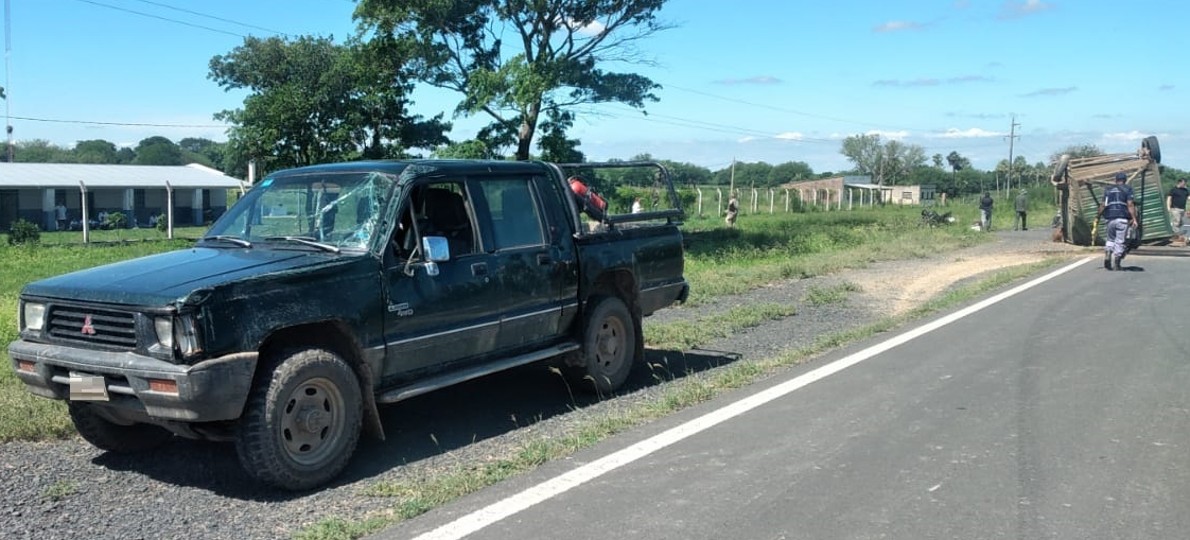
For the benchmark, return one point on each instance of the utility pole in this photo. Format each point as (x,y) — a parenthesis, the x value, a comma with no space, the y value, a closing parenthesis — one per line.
(7,69)
(731,189)
(1012,136)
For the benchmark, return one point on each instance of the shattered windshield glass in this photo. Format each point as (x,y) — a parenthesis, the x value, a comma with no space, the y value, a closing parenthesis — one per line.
(331,210)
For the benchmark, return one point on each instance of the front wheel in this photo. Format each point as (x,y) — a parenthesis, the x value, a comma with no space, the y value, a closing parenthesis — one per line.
(112,437)
(609,346)
(302,421)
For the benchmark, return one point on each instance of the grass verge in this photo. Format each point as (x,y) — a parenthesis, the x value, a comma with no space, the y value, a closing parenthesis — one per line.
(417,496)
(683,335)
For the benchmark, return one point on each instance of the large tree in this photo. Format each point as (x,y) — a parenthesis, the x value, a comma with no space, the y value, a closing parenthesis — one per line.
(202,151)
(157,150)
(96,151)
(1077,151)
(865,152)
(957,162)
(553,59)
(40,151)
(314,101)
(884,161)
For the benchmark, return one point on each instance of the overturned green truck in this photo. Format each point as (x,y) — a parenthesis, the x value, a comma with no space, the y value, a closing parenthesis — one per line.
(1082,181)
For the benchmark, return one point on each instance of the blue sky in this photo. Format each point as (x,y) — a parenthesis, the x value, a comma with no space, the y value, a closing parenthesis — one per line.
(752,80)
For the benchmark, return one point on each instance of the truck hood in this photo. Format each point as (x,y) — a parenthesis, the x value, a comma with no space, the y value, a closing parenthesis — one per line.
(161,279)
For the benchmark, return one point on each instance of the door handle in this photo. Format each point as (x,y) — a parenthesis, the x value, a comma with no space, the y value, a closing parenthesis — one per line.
(543,259)
(479,269)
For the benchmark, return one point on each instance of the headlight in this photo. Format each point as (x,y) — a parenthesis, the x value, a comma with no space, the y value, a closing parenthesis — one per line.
(34,316)
(186,336)
(181,331)
(165,331)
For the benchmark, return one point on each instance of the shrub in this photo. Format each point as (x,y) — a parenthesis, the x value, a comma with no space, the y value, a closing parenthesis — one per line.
(116,220)
(161,224)
(24,232)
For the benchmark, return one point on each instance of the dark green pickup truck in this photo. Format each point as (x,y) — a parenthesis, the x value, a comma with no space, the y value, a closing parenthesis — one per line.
(330,289)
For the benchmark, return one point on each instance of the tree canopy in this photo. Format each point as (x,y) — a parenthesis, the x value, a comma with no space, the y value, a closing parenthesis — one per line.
(521,62)
(884,161)
(314,101)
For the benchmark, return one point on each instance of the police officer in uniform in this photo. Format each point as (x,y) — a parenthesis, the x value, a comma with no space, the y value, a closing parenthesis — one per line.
(1119,210)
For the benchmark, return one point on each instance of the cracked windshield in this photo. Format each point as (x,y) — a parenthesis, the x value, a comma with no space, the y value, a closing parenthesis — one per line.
(339,210)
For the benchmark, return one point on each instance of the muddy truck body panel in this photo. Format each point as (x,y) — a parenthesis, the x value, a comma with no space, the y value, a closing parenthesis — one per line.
(329,289)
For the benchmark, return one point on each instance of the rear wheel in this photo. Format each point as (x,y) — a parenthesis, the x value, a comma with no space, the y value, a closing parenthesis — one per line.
(1150,143)
(302,421)
(112,437)
(609,346)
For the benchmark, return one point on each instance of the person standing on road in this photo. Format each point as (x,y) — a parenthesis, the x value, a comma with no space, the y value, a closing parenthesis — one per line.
(1175,202)
(1119,209)
(1021,205)
(985,211)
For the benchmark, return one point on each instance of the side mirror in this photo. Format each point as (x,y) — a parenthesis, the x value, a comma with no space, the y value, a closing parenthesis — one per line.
(435,248)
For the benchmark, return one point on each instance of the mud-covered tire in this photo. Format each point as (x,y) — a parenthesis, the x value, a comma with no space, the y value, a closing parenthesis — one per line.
(1154,148)
(302,421)
(112,437)
(609,346)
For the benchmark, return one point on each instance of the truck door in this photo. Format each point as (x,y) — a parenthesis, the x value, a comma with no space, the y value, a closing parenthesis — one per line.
(525,264)
(435,321)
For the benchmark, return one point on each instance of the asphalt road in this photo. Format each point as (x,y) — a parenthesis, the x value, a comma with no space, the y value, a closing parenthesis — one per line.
(1062,411)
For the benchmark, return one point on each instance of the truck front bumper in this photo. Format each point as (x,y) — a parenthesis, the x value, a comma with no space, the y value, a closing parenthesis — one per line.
(208,391)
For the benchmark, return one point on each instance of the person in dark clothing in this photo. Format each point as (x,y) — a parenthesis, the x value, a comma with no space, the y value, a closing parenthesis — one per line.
(985,211)
(1176,203)
(1021,205)
(1119,209)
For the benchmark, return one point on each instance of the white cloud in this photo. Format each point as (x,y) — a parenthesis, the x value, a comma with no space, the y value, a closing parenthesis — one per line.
(593,28)
(897,26)
(1125,136)
(970,133)
(1016,10)
(748,139)
(759,79)
(891,135)
(791,136)
(1045,92)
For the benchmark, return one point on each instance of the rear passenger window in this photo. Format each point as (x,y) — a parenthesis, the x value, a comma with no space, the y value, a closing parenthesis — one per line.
(515,221)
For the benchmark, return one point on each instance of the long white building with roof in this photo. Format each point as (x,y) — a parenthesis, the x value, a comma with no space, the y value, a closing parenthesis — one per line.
(33,191)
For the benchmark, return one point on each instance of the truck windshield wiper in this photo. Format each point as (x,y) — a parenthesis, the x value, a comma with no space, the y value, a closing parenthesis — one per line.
(306,240)
(228,238)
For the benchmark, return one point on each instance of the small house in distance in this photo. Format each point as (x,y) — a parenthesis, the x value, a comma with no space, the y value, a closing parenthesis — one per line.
(34,191)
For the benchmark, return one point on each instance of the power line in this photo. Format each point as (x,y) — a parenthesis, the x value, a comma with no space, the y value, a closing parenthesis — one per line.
(213,17)
(782,109)
(158,17)
(133,124)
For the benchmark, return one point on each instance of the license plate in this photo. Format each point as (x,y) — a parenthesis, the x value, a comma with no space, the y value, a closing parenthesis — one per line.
(87,388)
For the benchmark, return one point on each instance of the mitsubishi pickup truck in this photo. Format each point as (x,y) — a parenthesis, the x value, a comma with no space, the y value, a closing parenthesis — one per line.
(329,290)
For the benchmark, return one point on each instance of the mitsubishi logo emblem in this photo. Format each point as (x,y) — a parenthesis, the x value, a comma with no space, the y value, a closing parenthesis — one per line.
(87,328)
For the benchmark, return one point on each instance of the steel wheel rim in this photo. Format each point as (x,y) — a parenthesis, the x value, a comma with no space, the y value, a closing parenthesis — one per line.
(312,422)
(609,345)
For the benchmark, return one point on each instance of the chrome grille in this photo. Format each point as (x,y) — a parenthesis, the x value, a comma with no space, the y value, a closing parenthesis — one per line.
(103,327)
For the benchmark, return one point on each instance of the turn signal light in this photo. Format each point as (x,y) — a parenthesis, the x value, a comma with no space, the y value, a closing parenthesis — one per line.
(26,366)
(165,386)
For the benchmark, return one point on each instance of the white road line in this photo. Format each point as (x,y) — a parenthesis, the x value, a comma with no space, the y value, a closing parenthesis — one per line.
(497,511)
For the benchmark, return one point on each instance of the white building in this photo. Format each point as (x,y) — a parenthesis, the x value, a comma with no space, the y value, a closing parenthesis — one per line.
(32,191)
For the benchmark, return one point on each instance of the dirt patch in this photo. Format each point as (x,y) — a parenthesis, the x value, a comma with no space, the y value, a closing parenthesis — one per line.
(921,282)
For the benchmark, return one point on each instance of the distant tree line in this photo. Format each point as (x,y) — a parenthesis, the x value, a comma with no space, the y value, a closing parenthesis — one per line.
(155,150)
